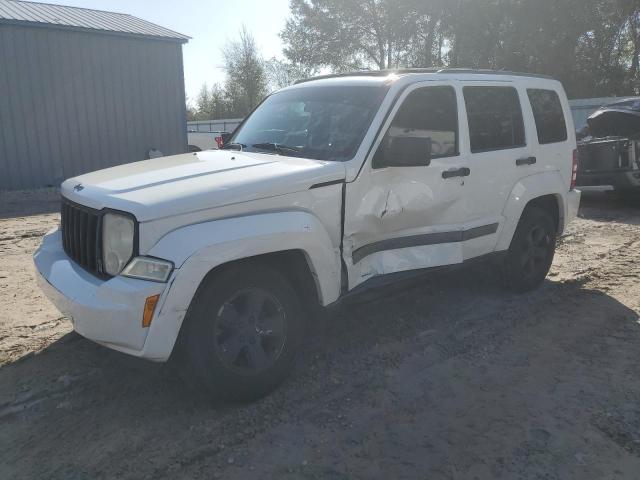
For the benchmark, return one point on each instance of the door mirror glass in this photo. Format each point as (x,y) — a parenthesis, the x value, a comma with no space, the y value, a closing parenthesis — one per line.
(406,152)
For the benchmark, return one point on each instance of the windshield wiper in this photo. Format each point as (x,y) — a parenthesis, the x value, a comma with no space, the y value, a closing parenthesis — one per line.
(276,147)
(234,146)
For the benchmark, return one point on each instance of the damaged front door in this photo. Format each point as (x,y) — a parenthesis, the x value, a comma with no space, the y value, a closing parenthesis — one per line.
(400,217)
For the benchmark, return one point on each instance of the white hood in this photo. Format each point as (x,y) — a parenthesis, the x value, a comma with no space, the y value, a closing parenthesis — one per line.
(169,186)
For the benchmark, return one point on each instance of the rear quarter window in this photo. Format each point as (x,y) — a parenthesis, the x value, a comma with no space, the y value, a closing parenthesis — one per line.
(549,116)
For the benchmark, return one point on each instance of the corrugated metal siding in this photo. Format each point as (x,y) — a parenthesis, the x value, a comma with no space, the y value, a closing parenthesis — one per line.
(64,16)
(74,102)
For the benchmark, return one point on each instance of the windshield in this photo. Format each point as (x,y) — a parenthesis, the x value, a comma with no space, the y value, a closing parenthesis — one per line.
(321,123)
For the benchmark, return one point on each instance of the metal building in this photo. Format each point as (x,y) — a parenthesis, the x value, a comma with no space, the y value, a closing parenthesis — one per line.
(82,90)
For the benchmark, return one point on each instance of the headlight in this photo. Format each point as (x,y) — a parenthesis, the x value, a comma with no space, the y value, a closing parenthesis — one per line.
(118,233)
(146,268)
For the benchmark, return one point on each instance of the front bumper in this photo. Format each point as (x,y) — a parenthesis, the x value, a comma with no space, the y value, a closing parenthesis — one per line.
(108,312)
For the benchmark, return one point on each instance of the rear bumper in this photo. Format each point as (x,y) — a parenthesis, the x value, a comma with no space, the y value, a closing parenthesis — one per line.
(623,180)
(571,208)
(108,312)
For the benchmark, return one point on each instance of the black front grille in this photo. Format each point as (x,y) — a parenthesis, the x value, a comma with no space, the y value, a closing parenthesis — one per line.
(79,226)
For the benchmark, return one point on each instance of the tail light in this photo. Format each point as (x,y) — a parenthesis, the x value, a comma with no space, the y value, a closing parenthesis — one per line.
(219,141)
(574,170)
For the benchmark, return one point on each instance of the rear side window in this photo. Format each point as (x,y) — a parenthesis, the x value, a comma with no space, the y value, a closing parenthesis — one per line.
(495,118)
(549,116)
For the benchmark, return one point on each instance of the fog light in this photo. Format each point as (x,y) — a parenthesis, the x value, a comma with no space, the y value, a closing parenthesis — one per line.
(149,308)
(147,268)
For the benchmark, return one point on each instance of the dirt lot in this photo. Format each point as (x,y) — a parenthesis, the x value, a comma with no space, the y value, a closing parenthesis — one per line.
(449,379)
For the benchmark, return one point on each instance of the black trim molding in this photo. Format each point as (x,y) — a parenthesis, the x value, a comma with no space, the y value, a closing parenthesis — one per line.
(423,240)
(326,184)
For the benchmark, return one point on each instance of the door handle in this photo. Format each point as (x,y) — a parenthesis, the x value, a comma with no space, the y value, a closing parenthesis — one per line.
(526,161)
(456,172)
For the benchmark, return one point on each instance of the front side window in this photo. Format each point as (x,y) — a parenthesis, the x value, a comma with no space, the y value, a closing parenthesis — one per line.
(321,123)
(547,111)
(495,118)
(429,112)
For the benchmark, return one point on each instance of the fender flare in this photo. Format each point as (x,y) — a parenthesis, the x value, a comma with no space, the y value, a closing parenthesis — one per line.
(528,189)
(197,249)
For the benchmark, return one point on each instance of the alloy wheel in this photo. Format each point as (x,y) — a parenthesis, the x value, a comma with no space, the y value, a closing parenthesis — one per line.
(250,331)
(536,251)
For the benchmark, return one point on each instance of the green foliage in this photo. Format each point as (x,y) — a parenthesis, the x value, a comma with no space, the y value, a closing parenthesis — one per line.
(348,34)
(211,103)
(281,74)
(246,83)
(593,46)
(249,78)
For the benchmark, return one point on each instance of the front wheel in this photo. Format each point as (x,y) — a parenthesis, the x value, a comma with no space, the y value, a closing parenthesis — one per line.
(531,252)
(242,332)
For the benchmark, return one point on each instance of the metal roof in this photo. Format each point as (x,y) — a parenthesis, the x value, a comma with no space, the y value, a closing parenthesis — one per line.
(62,16)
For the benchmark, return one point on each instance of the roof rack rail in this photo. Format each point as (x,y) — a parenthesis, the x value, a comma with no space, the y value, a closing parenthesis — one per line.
(407,71)
(370,73)
(493,72)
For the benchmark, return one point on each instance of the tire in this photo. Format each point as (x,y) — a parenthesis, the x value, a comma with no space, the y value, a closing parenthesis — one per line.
(235,348)
(531,253)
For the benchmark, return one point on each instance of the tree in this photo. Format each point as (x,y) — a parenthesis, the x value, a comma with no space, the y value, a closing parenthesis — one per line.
(428,32)
(203,103)
(210,103)
(593,46)
(246,83)
(281,74)
(348,34)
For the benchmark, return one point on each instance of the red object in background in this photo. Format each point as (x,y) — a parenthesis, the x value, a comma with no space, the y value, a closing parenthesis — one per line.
(219,142)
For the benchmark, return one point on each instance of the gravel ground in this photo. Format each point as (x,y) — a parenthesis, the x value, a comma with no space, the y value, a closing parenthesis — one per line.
(451,378)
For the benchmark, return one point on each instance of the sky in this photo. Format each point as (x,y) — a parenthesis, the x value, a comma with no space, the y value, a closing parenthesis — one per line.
(209,23)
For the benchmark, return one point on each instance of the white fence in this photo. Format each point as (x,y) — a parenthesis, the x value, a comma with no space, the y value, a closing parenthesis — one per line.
(225,125)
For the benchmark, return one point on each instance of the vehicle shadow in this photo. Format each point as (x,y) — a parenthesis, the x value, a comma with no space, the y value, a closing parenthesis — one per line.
(608,206)
(85,412)
(25,203)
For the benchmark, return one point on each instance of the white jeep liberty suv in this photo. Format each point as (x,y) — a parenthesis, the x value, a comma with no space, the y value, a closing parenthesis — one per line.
(326,186)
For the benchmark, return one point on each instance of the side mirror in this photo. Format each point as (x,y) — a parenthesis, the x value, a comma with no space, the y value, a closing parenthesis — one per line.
(226,136)
(405,152)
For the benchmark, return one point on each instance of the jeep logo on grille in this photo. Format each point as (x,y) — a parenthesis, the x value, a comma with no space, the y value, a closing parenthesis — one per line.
(78,187)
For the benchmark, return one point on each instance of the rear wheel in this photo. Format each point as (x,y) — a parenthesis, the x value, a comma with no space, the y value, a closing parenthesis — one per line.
(243,332)
(531,252)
